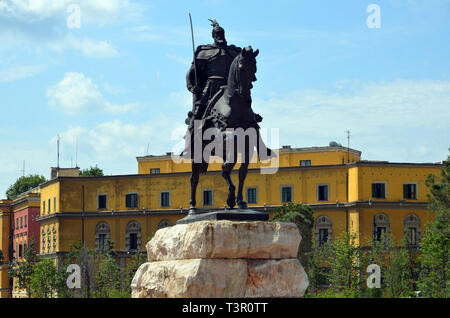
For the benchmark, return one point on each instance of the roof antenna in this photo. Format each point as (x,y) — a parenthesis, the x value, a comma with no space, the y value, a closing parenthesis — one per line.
(76,152)
(348,145)
(57,152)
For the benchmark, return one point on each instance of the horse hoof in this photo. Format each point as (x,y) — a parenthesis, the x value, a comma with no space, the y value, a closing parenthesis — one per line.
(192,211)
(242,205)
(231,203)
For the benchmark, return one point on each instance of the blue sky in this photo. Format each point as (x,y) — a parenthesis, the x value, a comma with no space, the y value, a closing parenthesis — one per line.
(117,83)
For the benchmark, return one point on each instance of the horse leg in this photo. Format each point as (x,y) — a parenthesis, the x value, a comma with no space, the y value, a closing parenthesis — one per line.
(195,175)
(242,175)
(227,167)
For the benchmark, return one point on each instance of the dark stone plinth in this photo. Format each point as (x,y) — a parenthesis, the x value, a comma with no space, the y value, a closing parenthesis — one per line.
(228,215)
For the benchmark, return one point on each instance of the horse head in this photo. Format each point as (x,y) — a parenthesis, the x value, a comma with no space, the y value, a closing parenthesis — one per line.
(242,72)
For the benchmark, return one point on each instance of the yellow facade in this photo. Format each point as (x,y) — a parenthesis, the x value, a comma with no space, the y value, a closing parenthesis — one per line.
(128,209)
(348,206)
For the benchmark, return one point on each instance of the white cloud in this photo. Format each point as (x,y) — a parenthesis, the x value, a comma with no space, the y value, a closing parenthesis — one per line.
(116,142)
(77,94)
(96,12)
(20,72)
(91,48)
(403,120)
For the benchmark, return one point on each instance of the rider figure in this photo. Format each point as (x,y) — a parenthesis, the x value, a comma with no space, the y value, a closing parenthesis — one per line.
(212,63)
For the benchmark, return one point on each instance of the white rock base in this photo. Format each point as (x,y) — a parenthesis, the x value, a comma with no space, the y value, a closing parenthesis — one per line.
(244,268)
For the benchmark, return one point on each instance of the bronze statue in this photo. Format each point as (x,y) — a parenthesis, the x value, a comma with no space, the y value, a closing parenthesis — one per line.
(209,70)
(223,102)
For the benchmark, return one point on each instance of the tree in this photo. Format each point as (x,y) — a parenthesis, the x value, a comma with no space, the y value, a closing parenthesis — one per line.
(86,258)
(302,216)
(91,172)
(346,269)
(135,262)
(396,267)
(23,184)
(23,270)
(43,281)
(108,277)
(434,279)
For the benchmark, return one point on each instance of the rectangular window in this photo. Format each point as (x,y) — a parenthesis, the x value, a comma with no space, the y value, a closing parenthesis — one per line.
(379,231)
(133,241)
(207,197)
(410,191)
(379,190)
(25,221)
(21,222)
(323,236)
(102,201)
(48,208)
(101,241)
(154,171)
(43,207)
(20,250)
(54,204)
(322,192)
(252,196)
(131,200)
(17,223)
(412,235)
(286,194)
(305,163)
(165,199)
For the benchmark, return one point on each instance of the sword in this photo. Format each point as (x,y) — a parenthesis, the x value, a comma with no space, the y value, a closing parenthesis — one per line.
(193,50)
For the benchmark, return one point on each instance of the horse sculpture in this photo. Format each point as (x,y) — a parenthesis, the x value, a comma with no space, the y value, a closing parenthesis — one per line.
(230,111)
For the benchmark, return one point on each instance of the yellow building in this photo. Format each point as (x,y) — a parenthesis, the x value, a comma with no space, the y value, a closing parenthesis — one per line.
(365,197)
(346,194)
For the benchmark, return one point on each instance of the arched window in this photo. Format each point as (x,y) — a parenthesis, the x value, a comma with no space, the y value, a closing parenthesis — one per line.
(102,234)
(322,230)
(133,236)
(48,239)
(54,238)
(381,225)
(412,228)
(163,224)
(43,241)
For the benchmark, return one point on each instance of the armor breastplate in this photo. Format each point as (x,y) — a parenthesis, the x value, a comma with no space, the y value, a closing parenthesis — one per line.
(219,65)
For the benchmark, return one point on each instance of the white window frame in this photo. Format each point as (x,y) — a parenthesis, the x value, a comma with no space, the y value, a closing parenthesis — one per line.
(170,199)
(281,193)
(328,192)
(385,190)
(256,195)
(417,191)
(137,206)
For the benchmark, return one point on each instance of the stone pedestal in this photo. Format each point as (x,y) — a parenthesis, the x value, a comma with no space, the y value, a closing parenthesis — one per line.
(222,259)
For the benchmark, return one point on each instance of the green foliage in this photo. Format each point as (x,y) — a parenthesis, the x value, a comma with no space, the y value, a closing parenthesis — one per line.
(23,184)
(345,276)
(108,277)
(91,172)
(135,262)
(302,216)
(44,279)
(23,270)
(396,264)
(434,278)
